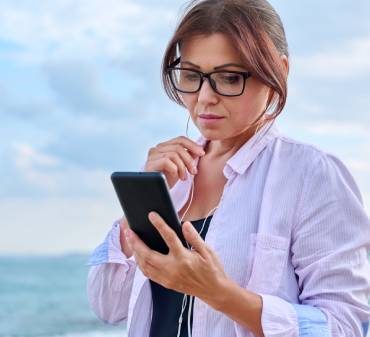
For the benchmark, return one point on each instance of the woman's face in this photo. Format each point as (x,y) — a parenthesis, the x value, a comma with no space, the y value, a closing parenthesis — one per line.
(205,53)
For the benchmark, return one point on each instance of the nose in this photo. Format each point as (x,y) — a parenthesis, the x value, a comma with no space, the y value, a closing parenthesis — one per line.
(206,93)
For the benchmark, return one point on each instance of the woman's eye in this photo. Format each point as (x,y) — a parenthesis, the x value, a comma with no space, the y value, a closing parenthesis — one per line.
(230,79)
(191,77)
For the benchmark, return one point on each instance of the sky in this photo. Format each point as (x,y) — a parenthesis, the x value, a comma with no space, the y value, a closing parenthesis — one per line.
(81,97)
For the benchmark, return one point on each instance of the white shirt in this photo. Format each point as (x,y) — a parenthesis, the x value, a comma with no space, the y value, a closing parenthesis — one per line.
(290,227)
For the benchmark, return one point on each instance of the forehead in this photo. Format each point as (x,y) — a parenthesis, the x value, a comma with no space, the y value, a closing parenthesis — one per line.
(209,50)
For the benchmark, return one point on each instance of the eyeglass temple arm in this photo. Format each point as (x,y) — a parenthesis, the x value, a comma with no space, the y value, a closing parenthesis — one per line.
(175,63)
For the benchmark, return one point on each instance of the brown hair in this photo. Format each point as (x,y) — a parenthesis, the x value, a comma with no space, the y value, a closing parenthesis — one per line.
(253,27)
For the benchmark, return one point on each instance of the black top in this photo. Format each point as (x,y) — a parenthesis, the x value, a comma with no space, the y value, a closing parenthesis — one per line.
(167,303)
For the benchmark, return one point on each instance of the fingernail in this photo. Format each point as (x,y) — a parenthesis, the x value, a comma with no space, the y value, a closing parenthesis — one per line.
(194,170)
(189,228)
(152,215)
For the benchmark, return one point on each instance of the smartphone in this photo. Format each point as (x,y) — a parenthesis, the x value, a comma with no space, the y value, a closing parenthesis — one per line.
(139,193)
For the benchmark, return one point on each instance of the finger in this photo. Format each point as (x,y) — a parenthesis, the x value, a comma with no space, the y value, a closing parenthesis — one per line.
(167,233)
(175,157)
(141,251)
(186,143)
(194,239)
(165,165)
(123,223)
(154,273)
(187,157)
(190,145)
(146,268)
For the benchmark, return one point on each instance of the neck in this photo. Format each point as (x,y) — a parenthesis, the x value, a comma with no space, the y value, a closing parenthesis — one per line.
(223,149)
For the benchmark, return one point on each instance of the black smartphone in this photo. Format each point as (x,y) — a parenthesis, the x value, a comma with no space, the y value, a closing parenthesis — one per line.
(139,193)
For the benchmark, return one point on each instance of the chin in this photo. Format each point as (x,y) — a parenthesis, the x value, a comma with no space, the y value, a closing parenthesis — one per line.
(209,134)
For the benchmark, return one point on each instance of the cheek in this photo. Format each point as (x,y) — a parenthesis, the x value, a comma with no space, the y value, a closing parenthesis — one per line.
(245,110)
(254,101)
(190,102)
(260,94)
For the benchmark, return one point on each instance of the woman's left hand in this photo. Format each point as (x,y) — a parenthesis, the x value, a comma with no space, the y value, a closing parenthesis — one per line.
(196,272)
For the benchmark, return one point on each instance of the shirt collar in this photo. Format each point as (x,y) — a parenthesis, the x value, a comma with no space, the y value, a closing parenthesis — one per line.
(249,151)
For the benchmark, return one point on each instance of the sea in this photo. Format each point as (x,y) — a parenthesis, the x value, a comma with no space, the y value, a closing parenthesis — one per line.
(45,296)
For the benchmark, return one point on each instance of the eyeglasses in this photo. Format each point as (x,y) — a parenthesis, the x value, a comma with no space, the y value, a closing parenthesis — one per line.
(225,83)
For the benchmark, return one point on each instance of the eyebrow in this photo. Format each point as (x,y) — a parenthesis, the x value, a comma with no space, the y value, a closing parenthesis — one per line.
(218,67)
(229,65)
(190,63)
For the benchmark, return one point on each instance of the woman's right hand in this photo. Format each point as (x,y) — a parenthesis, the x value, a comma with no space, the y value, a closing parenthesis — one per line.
(174,158)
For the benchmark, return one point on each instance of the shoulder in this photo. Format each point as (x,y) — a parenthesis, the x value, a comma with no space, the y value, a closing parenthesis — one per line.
(293,149)
(315,166)
(302,154)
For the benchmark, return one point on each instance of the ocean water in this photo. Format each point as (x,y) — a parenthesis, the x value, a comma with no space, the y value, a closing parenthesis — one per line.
(46,296)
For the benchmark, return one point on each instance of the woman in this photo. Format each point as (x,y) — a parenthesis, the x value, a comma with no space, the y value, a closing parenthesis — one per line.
(278,234)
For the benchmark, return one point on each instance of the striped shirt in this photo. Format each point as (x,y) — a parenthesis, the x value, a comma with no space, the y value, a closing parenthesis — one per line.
(290,227)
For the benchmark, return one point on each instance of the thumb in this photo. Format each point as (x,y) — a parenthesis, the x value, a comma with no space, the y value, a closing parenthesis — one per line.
(193,238)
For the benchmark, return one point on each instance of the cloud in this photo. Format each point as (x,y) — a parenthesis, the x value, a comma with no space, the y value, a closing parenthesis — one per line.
(78,88)
(78,155)
(56,225)
(27,157)
(33,110)
(94,142)
(337,128)
(89,27)
(81,97)
(348,61)
(322,98)
(97,56)
(360,165)
(38,174)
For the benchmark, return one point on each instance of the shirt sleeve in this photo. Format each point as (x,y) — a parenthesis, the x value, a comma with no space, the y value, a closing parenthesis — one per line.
(110,279)
(110,250)
(330,247)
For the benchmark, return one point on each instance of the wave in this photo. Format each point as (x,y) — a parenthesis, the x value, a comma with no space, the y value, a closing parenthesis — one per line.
(94,333)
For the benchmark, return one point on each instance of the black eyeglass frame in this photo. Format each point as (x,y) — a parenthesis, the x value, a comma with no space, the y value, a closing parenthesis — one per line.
(245,74)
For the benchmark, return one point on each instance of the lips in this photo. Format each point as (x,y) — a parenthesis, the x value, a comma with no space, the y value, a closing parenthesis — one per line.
(210,116)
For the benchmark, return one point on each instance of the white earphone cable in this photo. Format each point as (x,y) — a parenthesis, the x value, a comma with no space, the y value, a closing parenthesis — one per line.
(191,298)
(183,306)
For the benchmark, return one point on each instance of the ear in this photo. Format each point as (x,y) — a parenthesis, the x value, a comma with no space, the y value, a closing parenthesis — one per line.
(285,60)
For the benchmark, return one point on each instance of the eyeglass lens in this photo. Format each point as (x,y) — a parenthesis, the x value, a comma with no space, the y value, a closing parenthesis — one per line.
(223,82)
